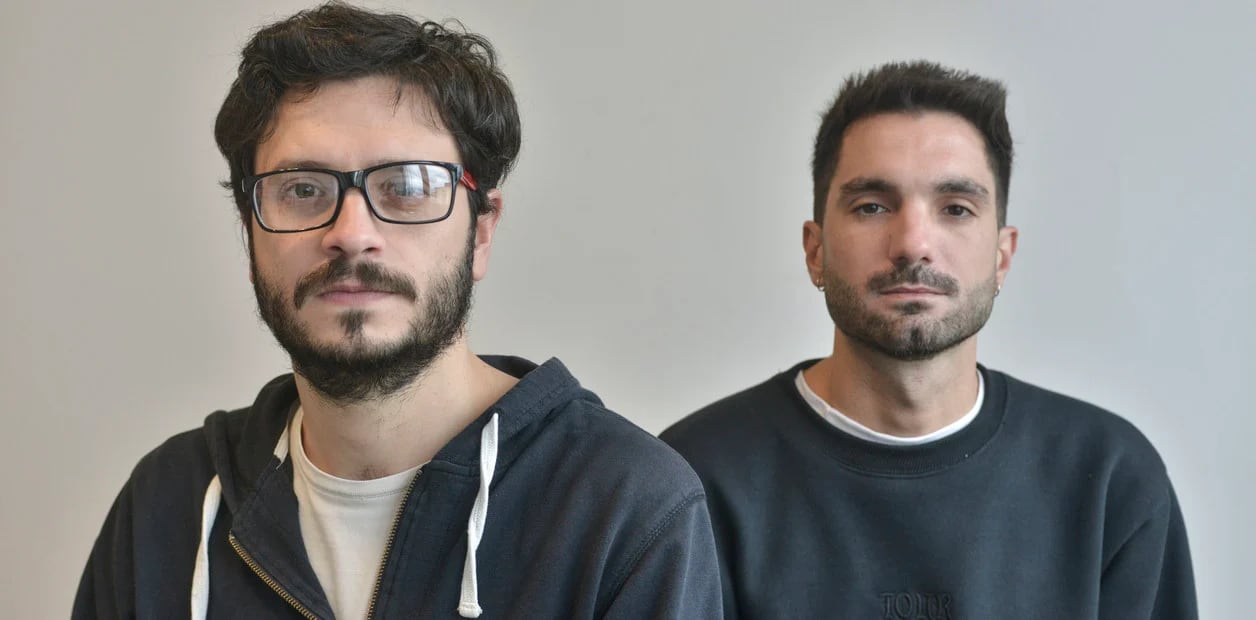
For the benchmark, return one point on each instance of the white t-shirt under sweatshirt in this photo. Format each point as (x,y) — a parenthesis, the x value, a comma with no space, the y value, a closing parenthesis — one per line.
(851,427)
(345,525)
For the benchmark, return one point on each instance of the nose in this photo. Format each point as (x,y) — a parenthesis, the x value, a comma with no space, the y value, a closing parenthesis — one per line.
(355,231)
(911,235)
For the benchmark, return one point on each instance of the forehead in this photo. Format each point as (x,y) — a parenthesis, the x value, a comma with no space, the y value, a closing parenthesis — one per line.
(349,124)
(908,148)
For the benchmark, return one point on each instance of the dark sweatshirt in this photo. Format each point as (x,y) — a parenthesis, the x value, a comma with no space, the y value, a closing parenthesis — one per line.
(1042,507)
(588,517)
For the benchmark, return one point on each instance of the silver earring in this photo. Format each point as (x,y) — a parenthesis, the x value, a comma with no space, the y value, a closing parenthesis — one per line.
(997,291)
(820,286)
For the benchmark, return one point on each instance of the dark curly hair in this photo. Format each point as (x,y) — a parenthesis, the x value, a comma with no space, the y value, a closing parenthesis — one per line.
(455,70)
(911,87)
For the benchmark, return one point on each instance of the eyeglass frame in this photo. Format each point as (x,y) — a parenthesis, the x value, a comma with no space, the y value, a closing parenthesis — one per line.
(347,180)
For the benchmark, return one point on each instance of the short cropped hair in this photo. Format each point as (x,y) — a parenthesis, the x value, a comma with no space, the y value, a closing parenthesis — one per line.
(455,70)
(914,87)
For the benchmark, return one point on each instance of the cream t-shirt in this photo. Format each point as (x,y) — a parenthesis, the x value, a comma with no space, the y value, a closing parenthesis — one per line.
(345,525)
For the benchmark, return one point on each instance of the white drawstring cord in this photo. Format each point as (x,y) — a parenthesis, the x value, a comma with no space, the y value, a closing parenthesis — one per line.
(469,606)
(200,574)
(209,513)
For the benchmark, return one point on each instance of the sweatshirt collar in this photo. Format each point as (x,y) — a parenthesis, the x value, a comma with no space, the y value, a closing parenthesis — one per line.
(813,433)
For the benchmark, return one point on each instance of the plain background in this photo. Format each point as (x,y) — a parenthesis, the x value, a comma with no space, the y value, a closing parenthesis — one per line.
(652,231)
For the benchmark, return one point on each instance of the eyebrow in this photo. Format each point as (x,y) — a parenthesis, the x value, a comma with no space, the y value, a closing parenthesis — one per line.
(867,185)
(287,164)
(304,163)
(955,185)
(962,185)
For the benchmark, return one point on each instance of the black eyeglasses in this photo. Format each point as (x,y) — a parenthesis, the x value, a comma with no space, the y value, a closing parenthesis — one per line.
(404,192)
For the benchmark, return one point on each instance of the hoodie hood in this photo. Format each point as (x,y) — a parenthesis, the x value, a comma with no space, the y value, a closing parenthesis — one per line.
(242,446)
(247,453)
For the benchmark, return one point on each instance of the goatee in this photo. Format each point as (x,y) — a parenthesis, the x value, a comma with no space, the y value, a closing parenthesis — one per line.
(904,335)
(354,370)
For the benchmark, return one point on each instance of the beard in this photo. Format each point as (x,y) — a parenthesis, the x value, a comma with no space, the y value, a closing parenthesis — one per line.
(355,370)
(904,335)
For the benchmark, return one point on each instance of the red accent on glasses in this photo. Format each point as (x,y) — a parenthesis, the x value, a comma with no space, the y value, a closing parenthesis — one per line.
(467,180)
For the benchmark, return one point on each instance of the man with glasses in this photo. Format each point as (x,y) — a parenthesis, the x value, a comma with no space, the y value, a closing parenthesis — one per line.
(394,474)
(897,478)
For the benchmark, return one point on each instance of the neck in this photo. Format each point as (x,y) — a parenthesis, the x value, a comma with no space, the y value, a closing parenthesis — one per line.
(896,397)
(381,437)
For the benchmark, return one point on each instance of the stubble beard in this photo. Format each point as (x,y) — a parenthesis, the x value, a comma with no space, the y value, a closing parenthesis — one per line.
(903,334)
(355,370)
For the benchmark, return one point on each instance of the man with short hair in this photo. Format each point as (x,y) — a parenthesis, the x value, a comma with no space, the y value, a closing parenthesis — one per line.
(394,474)
(897,478)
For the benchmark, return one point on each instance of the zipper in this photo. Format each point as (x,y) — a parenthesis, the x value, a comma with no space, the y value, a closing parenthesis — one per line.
(392,534)
(248,559)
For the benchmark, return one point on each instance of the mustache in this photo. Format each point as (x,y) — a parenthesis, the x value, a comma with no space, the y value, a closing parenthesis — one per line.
(917,274)
(370,275)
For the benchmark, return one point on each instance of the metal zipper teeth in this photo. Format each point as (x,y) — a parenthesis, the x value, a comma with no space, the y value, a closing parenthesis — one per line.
(248,559)
(392,534)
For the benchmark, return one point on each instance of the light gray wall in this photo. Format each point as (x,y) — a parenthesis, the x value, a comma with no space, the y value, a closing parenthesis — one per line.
(127,315)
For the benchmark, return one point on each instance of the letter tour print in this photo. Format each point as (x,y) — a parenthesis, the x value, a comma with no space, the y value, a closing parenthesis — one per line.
(916,605)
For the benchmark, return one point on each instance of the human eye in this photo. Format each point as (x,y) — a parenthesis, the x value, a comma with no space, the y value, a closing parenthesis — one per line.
(401,185)
(298,190)
(869,208)
(303,190)
(958,211)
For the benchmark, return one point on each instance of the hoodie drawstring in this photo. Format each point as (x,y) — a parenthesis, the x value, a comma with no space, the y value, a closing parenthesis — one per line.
(200,574)
(209,514)
(469,606)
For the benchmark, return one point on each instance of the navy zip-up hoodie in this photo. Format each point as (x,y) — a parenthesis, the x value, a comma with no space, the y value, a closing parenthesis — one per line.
(587,516)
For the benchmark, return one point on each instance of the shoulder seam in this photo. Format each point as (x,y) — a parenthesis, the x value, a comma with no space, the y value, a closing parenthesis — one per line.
(663,524)
(1162,508)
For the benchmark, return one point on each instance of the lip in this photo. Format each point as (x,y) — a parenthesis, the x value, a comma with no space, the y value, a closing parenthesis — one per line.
(351,294)
(910,291)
